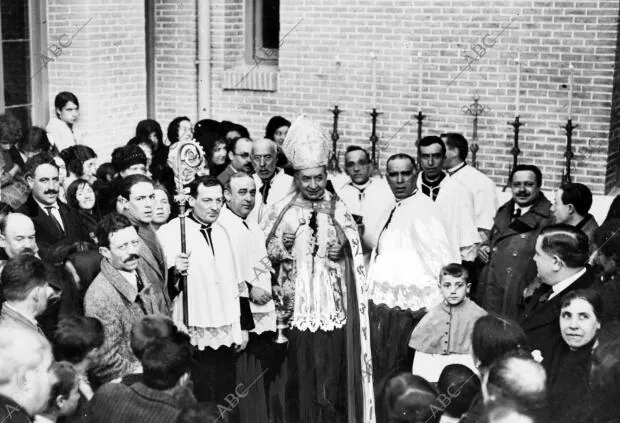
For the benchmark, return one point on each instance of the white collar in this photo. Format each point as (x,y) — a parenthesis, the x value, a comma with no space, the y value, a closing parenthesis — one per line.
(30,319)
(455,168)
(43,206)
(561,286)
(130,277)
(361,187)
(42,419)
(523,209)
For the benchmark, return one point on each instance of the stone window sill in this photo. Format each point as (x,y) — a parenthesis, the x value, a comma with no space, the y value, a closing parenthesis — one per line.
(251,78)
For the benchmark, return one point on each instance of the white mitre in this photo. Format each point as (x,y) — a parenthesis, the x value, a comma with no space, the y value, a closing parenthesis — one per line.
(306,146)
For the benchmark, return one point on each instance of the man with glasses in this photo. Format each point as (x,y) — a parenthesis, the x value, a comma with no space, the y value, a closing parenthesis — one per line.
(366,198)
(272,183)
(239,153)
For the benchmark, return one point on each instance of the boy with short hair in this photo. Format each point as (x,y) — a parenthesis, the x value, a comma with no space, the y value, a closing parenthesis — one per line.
(64,394)
(443,336)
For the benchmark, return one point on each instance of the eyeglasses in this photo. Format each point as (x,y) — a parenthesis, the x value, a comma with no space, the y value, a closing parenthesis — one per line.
(244,156)
(267,158)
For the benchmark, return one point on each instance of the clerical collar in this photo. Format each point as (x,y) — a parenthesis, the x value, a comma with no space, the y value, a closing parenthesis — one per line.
(242,219)
(200,222)
(434,183)
(361,187)
(456,168)
(399,200)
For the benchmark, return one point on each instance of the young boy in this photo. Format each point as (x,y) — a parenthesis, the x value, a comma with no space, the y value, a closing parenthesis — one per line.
(443,336)
(64,395)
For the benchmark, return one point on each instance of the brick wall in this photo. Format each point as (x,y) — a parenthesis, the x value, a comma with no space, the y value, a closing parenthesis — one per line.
(176,78)
(104,66)
(326,60)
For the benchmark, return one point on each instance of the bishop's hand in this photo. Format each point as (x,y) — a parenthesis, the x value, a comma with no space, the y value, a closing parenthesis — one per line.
(288,239)
(334,251)
(181,263)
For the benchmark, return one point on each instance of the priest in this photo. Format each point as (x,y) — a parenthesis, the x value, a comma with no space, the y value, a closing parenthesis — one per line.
(315,246)
(411,249)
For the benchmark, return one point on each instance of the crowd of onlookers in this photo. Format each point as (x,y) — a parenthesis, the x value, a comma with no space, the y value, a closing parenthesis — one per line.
(64,357)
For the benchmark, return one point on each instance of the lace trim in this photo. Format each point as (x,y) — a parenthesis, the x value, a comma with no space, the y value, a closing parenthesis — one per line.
(405,296)
(313,324)
(264,322)
(211,337)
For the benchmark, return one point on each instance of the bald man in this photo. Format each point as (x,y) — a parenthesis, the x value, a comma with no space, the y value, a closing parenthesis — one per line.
(272,183)
(25,375)
(17,236)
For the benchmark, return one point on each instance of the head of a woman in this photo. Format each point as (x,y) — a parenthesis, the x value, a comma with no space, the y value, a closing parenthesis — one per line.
(161,208)
(67,107)
(35,142)
(180,129)
(580,317)
(493,337)
(81,196)
(277,129)
(151,130)
(81,161)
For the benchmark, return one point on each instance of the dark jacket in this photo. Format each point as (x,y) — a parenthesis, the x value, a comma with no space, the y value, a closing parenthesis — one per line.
(588,225)
(226,174)
(54,246)
(511,268)
(567,384)
(119,403)
(541,318)
(11,412)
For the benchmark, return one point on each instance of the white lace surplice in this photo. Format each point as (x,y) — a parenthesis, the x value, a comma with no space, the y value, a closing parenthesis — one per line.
(412,250)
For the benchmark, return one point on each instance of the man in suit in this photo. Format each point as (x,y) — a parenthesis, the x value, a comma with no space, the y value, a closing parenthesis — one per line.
(136,197)
(26,378)
(508,256)
(120,295)
(25,291)
(239,153)
(17,236)
(272,183)
(58,228)
(571,205)
(159,397)
(561,256)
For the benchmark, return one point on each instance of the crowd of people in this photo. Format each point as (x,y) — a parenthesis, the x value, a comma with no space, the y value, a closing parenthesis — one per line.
(243,282)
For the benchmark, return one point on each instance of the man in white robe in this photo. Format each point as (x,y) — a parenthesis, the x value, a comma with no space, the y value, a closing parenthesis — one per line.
(219,315)
(483,188)
(254,270)
(273,185)
(404,269)
(454,201)
(366,198)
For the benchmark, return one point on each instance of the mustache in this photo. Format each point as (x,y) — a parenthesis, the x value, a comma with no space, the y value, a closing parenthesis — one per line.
(27,250)
(131,257)
(523,193)
(50,191)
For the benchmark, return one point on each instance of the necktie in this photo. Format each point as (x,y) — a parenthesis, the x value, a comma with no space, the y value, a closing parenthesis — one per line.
(206,232)
(246,224)
(139,282)
(56,222)
(516,213)
(264,190)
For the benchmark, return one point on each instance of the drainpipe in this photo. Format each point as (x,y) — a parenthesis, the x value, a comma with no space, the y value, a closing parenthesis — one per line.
(204,59)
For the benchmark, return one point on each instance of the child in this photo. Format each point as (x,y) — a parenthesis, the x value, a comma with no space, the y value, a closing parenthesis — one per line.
(443,336)
(64,395)
(458,386)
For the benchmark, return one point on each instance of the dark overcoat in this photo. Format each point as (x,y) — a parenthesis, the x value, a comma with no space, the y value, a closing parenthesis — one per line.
(511,266)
